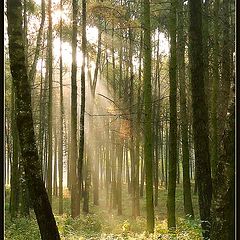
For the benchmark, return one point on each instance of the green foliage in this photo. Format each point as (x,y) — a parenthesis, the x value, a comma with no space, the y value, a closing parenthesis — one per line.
(108,11)
(85,226)
(32,7)
(21,228)
(105,225)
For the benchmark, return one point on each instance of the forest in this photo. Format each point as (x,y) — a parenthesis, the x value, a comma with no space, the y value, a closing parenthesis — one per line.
(119,119)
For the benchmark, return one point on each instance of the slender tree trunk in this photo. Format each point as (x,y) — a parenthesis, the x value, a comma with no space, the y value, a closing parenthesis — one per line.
(82,113)
(15,175)
(32,71)
(8,151)
(127,168)
(55,190)
(132,145)
(93,85)
(188,208)
(87,185)
(148,115)
(166,153)
(69,178)
(60,147)
(155,109)
(162,156)
(113,137)
(142,177)
(75,205)
(50,82)
(119,177)
(41,117)
(173,120)
(138,129)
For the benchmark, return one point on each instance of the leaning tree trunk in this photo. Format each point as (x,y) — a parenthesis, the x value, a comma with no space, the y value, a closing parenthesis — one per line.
(32,72)
(200,116)
(31,162)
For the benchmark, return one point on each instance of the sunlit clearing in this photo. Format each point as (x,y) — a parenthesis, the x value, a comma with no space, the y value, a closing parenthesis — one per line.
(66,51)
(56,17)
(92,34)
(163,42)
(53,2)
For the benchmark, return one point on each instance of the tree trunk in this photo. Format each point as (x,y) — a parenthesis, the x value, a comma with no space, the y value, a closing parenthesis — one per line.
(132,145)
(148,115)
(215,91)
(75,205)
(24,196)
(119,177)
(188,208)
(32,71)
(226,74)
(223,217)
(200,116)
(81,144)
(15,174)
(50,82)
(31,162)
(173,120)
(55,188)
(166,153)
(60,148)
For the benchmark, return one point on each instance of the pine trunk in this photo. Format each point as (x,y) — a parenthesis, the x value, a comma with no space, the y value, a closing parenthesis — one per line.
(188,208)
(31,162)
(200,116)
(148,115)
(173,120)
(75,205)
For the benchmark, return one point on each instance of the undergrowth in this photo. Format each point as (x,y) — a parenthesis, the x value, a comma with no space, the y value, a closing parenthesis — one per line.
(104,224)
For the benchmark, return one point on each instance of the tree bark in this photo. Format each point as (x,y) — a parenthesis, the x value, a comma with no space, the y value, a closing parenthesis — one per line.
(60,148)
(32,71)
(188,208)
(200,116)
(31,163)
(223,217)
(15,173)
(148,115)
(82,113)
(215,91)
(75,205)
(173,120)
(50,82)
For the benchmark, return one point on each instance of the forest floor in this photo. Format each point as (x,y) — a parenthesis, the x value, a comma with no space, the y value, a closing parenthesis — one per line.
(101,223)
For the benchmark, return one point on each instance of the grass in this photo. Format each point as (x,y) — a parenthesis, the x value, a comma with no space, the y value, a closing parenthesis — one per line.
(101,223)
